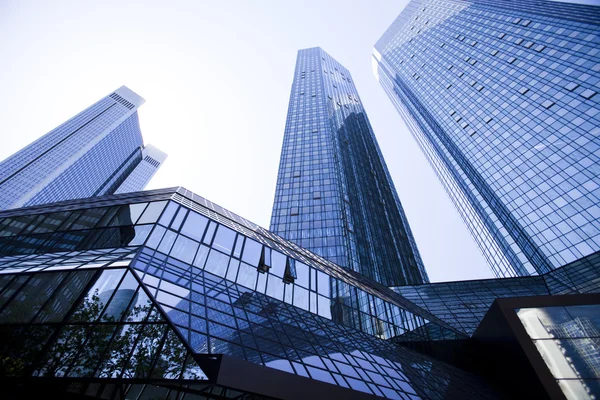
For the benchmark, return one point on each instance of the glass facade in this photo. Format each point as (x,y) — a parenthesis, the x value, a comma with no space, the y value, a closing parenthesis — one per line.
(334,194)
(568,339)
(92,154)
(463,304)
(152,283)
(501,96)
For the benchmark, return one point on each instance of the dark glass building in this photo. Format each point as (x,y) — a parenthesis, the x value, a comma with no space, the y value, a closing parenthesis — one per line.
(163,294)
(502,97)
(334,194)
(99,151)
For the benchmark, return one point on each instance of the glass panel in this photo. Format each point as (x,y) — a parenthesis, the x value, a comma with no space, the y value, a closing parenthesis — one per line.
(301,297)
(233,269)
(323,283)
(152,212)
(108,216)
(275,287)
(12,289)
(128,215)
(252,250)
(247,276)
(167,242)
(301,274)
(571,358)
(179,218)
(210,232)
(217,263)
(237,253)
(141,307)
(194,226)
(170,361)
(89,218)
(579,389)
(118,353)
(144,354)
(98,296)
(20,347)
(277,263)
(125,295)
(156,237)
(167,216)
(324,308)
(569,322)
(224,239)
(184,249)
(31,297)
(201,256)
(65,297)
(141,233)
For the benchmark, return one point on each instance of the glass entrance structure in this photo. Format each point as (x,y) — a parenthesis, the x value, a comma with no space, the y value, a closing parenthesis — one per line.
(164,293)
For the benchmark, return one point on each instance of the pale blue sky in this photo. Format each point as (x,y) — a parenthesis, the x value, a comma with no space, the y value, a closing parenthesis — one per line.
(216,76)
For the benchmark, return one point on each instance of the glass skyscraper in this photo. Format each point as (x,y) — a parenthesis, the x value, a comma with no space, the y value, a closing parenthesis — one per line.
(334,194)
(99,151)
(502,97)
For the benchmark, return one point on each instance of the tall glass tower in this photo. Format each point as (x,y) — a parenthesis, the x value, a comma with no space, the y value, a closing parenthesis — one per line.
(334,194)
(99,151)
(502,98)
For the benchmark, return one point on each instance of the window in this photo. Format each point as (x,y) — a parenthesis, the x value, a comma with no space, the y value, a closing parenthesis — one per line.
(588,94)
(548,104)
(571,86)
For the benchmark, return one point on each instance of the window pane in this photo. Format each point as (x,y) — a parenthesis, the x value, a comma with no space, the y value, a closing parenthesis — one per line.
(301,297)
(194,226)
(275,287)
(251,253)
(167,242)
(277,263)
(31,297)
(141,233)
(323,283)
(301,274)
(184,249)
(224,239)
(156,236)
(201,257)
(98,295)
(247,276)
(217,263)
(167,216)
(152,212)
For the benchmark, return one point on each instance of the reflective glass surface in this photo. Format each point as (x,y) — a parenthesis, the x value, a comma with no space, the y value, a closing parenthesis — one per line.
(91,154)
(334,194)
(502,98)
(149,310)
(568,339)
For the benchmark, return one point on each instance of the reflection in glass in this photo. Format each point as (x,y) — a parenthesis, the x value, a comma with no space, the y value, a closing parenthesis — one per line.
(252,251)
(224,239)
(568,340)
(152,212)
(194,226)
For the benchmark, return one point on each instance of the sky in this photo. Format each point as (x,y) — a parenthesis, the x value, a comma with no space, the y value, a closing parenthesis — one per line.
(216,76)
